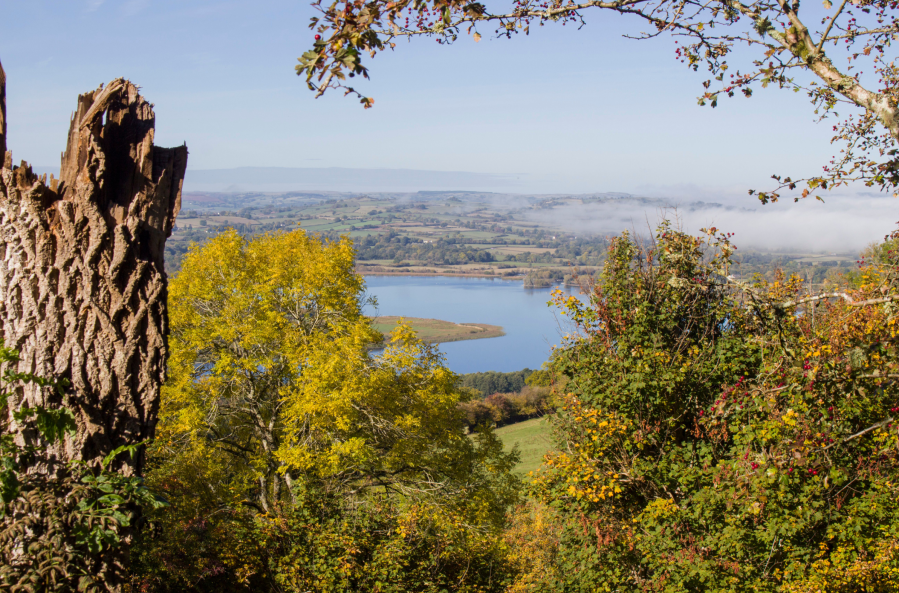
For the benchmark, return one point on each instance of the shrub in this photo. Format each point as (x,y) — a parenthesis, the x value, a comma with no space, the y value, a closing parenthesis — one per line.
(504,408)
(719,436)
(60,524)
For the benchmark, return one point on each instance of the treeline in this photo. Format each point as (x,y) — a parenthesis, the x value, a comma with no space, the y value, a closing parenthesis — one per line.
(544,278)
(819,273)
(396,247)
(505,398)
(586,251)
(455,250)
(493,382)
(498,409)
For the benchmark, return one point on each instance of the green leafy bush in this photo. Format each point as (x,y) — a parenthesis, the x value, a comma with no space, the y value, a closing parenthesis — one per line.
(504,408)
(720,436)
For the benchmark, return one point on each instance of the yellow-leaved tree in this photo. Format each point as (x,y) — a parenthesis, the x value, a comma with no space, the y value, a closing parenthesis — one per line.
(275,398)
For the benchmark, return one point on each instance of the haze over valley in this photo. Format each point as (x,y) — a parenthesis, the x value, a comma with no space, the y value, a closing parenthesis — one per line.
(483,230)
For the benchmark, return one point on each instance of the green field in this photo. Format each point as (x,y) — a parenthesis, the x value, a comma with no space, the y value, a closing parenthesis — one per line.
(435,331)
(533,440)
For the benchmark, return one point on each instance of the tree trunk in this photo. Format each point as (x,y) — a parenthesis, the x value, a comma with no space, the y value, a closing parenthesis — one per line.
(2,116)
(82,284)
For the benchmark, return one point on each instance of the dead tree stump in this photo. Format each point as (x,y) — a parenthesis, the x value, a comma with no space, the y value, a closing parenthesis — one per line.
(82,284)
(2,116)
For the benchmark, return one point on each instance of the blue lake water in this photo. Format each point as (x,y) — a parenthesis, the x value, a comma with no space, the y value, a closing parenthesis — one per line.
(532,327)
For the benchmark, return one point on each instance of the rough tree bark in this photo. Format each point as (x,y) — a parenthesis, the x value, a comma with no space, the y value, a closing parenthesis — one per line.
(82,284)
(2,116)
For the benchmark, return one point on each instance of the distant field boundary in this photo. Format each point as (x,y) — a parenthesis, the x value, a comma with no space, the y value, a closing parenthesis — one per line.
(518,279)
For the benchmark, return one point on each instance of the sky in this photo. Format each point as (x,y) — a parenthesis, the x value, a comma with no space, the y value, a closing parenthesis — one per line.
(558,111)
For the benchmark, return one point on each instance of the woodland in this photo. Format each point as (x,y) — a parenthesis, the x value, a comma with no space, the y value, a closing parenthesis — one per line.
(229,428)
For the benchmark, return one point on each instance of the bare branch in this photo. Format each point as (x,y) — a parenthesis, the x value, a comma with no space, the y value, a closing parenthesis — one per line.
(833,295)
(830,26)
(860,433)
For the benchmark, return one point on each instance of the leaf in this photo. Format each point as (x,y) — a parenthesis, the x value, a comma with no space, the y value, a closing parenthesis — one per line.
(477,37)
(110,499)
(131,449)
(827,4)
(121,518)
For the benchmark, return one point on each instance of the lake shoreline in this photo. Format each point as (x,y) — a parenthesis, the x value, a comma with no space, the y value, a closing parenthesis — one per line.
(522,279)
(531,327)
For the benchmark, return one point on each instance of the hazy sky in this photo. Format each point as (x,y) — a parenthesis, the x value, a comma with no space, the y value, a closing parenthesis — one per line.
(559,111)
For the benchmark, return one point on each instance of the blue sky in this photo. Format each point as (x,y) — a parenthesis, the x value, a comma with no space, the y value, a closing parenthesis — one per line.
(558,111)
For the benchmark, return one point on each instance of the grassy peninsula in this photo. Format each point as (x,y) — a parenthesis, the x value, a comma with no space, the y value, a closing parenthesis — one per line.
(434,331)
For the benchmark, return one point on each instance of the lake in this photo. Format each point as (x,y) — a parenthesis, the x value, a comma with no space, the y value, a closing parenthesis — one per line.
(531,327)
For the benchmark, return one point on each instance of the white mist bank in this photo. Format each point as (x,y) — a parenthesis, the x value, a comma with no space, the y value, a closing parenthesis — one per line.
(840,224)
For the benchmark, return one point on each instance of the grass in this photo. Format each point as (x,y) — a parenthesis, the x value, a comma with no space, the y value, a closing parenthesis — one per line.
(435,331)
(533,440)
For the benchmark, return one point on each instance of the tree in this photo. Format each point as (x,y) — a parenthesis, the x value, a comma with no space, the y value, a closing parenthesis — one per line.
(83,293)
(275,408)
(785,52)
(83,284)
(725,436)
(2,115)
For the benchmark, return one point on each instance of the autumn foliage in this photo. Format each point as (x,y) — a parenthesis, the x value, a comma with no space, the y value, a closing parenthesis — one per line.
(297,460)
(725,436)
(713,434)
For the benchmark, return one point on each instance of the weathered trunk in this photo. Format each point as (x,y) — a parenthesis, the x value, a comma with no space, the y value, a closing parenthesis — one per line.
(2,116)
(82,284)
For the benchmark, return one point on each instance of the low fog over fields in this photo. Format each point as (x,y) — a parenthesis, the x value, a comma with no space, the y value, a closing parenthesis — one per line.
(843,223)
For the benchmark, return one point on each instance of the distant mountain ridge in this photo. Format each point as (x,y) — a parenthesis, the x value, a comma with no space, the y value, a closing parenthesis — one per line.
(286,179)
(508,202)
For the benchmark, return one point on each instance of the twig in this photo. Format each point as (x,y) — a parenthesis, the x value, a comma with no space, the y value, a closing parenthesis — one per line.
(860,433)
(829,27)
